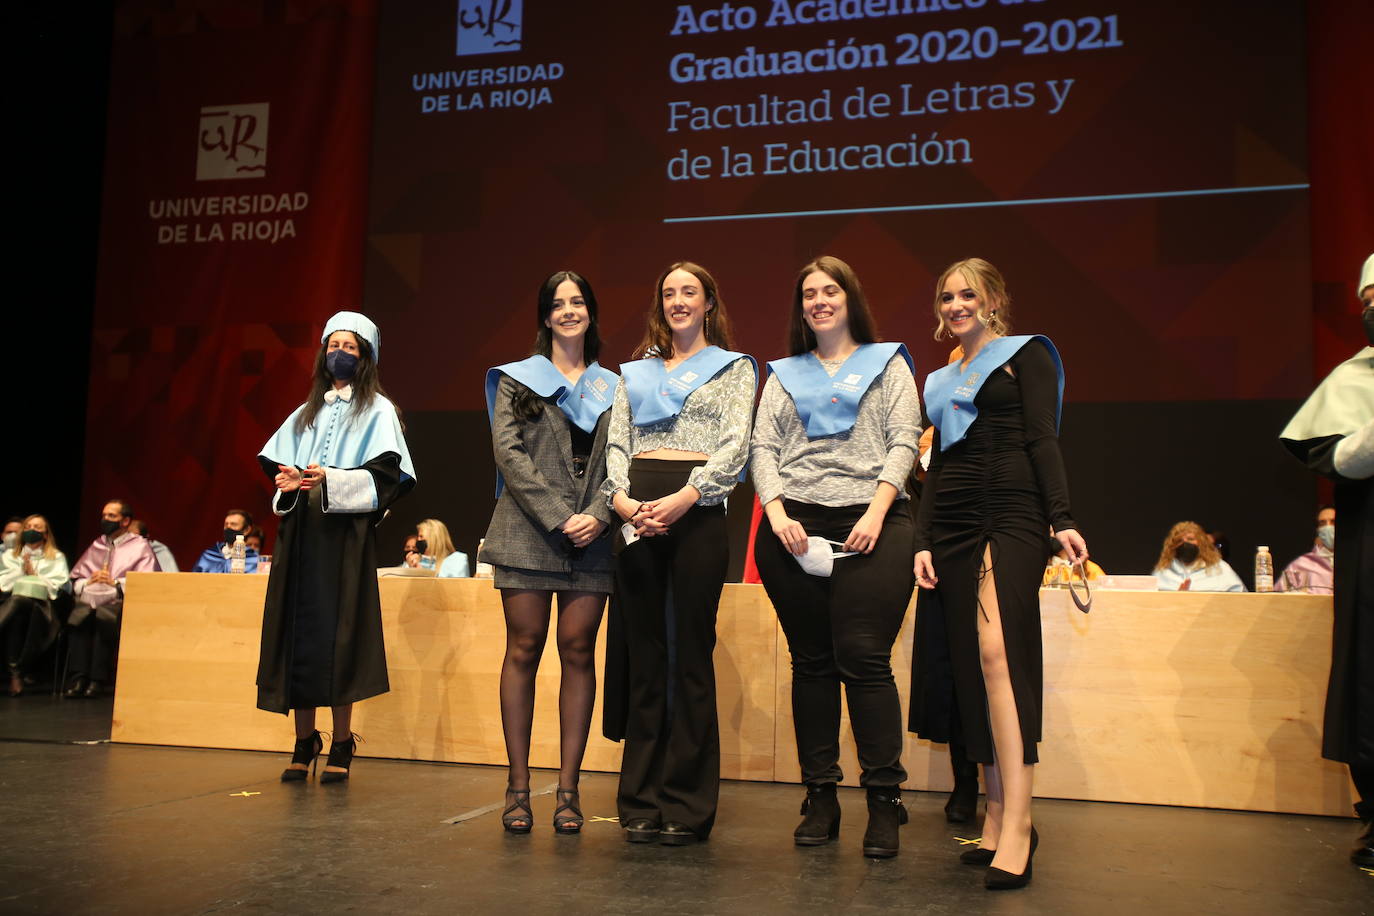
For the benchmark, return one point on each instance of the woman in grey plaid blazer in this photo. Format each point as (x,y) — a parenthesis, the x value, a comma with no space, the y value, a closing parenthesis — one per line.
(549,415)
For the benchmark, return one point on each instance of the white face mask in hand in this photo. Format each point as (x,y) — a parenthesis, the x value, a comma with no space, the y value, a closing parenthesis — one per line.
(820,556)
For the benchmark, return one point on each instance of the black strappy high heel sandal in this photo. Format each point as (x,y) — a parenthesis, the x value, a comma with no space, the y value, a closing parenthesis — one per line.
(568,824)
(511,818)
(306,752)
(340,755)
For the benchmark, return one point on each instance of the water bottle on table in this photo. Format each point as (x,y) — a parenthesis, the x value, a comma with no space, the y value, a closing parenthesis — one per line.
(1264,570)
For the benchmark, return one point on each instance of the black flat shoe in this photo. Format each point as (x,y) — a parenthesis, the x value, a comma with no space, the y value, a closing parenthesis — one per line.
(641,830)
(341,756)
(77,689)
(306,752)
(676,835)
(92,690)
(995,879)
(977,856)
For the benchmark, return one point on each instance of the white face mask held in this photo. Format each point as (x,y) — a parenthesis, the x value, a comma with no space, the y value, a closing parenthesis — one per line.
(820,556)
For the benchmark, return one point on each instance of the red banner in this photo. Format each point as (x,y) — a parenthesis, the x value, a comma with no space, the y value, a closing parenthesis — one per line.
(232,226)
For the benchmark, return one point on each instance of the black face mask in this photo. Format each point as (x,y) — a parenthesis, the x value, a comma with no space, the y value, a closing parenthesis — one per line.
(230,534)
(1186,553)
(31,537)
(1367,316)
(341,364)
(108,527)
(421,546)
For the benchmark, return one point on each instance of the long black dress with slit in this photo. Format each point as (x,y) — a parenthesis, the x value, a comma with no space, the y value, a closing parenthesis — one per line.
(1001,487)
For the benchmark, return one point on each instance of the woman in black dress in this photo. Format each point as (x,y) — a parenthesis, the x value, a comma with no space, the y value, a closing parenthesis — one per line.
(996,484)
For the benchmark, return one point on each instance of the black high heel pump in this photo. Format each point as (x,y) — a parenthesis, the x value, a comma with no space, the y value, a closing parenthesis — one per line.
(996,879)
(307,752)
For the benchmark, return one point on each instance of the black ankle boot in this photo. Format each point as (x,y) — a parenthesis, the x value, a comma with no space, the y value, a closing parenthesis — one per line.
(885,815)
(822,821)
(1362,853)
(963,800)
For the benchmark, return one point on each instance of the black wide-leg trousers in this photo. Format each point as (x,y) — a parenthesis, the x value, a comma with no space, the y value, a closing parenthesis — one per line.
(841,630)
(669,587)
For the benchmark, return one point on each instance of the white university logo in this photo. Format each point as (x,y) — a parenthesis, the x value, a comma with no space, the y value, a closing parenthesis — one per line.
(489,26)
(232,142)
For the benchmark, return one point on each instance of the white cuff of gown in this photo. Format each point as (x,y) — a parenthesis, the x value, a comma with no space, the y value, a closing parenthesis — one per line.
(352,490)
(1354,455)
(277,508)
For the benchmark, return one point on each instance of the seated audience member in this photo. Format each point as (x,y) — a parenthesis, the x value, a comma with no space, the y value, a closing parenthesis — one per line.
(1189,561)
(254,539)
(13,527)
(98,581)
(165,561)
(1059,571)
(451,564)
(412,550)
(1315,570)
(32,573)
(216,559)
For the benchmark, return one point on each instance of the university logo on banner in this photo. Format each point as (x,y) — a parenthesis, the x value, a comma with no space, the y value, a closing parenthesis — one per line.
(489,26)
(232,142)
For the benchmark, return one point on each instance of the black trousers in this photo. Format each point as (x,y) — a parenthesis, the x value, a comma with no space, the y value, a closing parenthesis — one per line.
(669,589)
(92,634)
(29,628)
(841,630)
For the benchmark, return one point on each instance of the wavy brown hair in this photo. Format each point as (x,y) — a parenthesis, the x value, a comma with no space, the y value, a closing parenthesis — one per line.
(658,337)
(367,385)
(525,403)
(987,282)
(800,337)
(1206,550)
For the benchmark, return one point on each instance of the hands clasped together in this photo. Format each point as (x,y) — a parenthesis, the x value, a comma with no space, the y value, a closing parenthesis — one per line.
(655,517)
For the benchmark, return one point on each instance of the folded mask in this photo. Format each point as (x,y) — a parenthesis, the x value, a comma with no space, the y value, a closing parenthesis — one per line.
(821,555)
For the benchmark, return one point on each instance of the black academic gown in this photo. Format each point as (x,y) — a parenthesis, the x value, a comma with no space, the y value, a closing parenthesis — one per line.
(1348,731)
(322,622)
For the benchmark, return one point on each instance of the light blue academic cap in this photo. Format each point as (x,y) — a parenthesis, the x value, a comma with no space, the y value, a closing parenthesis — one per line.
(360,325)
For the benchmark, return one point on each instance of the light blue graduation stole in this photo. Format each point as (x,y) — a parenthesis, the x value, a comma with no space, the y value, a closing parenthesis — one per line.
(582,403)
(657,394)
(949,392)
(829,404)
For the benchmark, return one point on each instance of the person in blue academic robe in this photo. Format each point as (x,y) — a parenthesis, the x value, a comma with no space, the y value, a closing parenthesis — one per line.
(338,462)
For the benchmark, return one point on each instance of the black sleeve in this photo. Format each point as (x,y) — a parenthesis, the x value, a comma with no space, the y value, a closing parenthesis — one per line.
(1039,381)
(926,512)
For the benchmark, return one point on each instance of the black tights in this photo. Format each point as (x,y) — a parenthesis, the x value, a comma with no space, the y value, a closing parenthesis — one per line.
(527,627)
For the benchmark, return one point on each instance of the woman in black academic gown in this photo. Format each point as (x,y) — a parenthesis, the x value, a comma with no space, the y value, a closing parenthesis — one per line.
(338,462)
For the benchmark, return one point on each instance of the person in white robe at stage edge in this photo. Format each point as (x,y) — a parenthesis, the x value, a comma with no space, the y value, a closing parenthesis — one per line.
(678,442)
(1190,562)
(338,462)
(549,414)
(1333,434)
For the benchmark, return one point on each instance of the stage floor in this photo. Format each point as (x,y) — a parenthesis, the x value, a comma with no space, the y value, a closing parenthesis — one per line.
(115,829)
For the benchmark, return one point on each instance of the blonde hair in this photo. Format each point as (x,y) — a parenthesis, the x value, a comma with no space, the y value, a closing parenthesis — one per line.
(49,547)
(1206,550)
(436,538)
(987,282)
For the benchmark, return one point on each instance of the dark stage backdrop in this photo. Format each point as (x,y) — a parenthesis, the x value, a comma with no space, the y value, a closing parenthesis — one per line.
(1138,170)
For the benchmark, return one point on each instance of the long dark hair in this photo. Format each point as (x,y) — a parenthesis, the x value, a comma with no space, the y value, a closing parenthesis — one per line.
(658,337)
(525,403)
(800,337)
(366,382)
